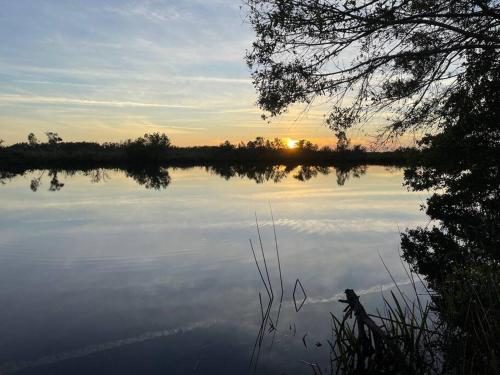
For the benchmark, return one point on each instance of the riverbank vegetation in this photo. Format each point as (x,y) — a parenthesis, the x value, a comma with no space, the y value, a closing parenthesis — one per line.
(156,148)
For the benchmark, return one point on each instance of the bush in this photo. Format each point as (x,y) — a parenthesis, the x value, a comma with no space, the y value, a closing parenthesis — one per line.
(151,147)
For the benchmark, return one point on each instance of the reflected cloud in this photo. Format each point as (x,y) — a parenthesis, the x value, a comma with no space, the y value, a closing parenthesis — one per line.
(98,348)
(169,259)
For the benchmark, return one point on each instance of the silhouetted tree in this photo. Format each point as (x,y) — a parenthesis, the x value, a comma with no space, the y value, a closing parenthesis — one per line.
(306,145)
(458,252)
(227,145)
(343,142)
(157,140)
(463,160)
(402,56)
(53,138)
(259,142)
(326,149)
(32,139)
(358,149)
(278,144)
(151,147)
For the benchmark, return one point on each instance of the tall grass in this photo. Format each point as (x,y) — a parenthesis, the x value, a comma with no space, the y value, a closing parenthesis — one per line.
(453,328)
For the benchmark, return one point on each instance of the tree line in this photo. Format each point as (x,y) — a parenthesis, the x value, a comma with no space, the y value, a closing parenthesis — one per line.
(156,148)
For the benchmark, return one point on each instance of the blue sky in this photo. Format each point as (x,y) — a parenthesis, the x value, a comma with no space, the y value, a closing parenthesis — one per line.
(106,70)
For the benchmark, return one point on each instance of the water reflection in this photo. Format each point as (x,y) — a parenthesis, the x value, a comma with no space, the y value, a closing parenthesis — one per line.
(97,175)
(6,176)
(140,282)
(151,178)
(158,178)
(257,173)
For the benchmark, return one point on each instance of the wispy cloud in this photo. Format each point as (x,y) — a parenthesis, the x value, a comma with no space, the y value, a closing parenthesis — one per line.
(114,74)
(86,102)
(87,68)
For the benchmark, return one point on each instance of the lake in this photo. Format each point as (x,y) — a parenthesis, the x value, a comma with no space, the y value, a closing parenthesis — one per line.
(128,272)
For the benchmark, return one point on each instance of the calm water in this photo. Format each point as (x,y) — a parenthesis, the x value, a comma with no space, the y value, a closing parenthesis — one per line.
(113,272)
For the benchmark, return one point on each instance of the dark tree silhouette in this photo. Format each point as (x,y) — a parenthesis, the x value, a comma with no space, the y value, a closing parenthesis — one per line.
(401,56)
(151,147)
(32,139)
(227,145)
(458,252)
(343,142)
(53,138)
(433,65)
(463,162)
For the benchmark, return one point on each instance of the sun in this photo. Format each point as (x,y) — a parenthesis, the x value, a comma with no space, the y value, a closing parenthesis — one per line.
(291,143)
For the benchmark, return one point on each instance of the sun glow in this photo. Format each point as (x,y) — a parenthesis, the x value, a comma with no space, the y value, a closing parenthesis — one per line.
(291,143)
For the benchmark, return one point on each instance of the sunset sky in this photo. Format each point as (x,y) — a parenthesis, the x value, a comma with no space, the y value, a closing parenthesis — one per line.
(107,70)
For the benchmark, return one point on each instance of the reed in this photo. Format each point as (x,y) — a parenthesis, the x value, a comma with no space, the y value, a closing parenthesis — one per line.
(454,329)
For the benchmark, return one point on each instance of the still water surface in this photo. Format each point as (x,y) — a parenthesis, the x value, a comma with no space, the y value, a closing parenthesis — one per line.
(100,274)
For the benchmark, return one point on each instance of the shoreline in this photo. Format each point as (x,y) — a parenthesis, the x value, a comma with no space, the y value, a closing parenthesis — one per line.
(89,156)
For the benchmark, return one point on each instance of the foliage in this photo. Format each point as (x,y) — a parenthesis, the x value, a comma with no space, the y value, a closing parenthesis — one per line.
(403,56)
(52,138)
(463,161)
(433,65)
(458,252)
(342,142)
(32,139)
(306,145)
(157,150)
(469,305)
(455,333)
(408,344)
(227,145)
(150,147)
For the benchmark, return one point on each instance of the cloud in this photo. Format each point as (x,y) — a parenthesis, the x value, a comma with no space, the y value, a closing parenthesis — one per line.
(168,13)
(86,102)
(113,74)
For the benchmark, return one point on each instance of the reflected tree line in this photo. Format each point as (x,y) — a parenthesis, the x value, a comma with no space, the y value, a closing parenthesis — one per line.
(158,178)
(155,178)
(277,173)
